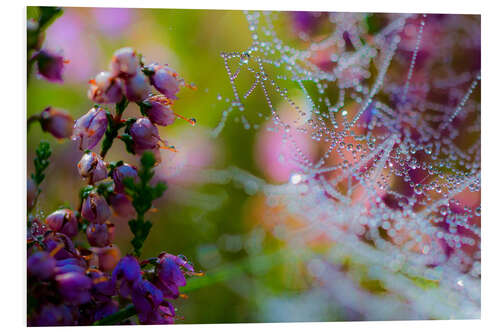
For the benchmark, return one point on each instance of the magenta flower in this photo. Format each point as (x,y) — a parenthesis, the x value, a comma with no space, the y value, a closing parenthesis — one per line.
(50,65)
(159,110)
(165,80)
(90,128)
(41,265)
(120,173)
(124,63)
(137,87)
(92,167)
(63,221)
(95,209)
(105,89)
(74,287)
(57,122)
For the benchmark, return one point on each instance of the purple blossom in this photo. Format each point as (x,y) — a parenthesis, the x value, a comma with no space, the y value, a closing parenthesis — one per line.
(127,270)
(63,221)
(54,315)
(159,110)
(50,64)
(90,128)
(92,167)
(165,80)
(105,89)
(120,173)
(41,265)
(169,274)
(145,134)
(57,122)
(95,209)
(137,87)
(99,234)
(121,205)
(146,298)
(74,287)
(124,63)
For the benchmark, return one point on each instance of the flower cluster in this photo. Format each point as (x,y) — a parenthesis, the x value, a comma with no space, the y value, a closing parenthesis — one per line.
(75,273)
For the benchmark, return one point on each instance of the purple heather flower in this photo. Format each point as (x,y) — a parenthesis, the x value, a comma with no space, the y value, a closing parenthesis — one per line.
(50,64)
(124,63)
(102,286)
(165,80)
(105,89)
(170,276)
(121,205)
(95,209)
(41,265)
(146,298)
(54,315)
(108,257)
(145,134)
(90,128)
(99,234)
(127,270)
(120,173)
(163,315)
(69,267)
(74,287)
(57,122)
(137,87)
(159,110)
(60,246)
(63,221)
(92,167)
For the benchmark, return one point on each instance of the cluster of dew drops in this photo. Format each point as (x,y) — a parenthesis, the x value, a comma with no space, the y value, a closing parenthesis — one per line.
(377,143)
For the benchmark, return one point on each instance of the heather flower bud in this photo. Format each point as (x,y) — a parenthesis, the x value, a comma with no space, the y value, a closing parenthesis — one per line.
(159,110)
(92,167)
(145,134)
(63,221)
(124,63)
(165,80)
(121,204)
(57,122)
(146,298)
(50,65)
(105,89)
(74,287)
(137,88)
(90,128)
(95,209)
(41,265)
(127,269)
(99,235)
(120,173)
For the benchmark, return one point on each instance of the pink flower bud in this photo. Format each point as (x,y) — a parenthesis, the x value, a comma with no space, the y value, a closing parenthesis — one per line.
(159,110)
(99,235)
(92,167)
(95,209)
(50,65)
(120,173)
(105,89)
(165,80)
(145,134)
(57,122)
(63,221)
(121,204)
(124,63)
(90,128)
(137,88)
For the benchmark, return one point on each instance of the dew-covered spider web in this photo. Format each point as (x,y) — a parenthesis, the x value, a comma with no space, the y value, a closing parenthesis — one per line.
(378,121)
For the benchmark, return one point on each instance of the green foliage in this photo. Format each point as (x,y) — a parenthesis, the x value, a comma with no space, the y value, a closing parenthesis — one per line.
(41,162)
(143,195)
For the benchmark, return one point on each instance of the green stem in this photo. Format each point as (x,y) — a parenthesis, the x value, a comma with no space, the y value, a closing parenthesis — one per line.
(32,119)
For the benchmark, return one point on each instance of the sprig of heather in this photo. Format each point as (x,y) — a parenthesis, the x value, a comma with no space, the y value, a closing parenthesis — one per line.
(73,283)
(41,163)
